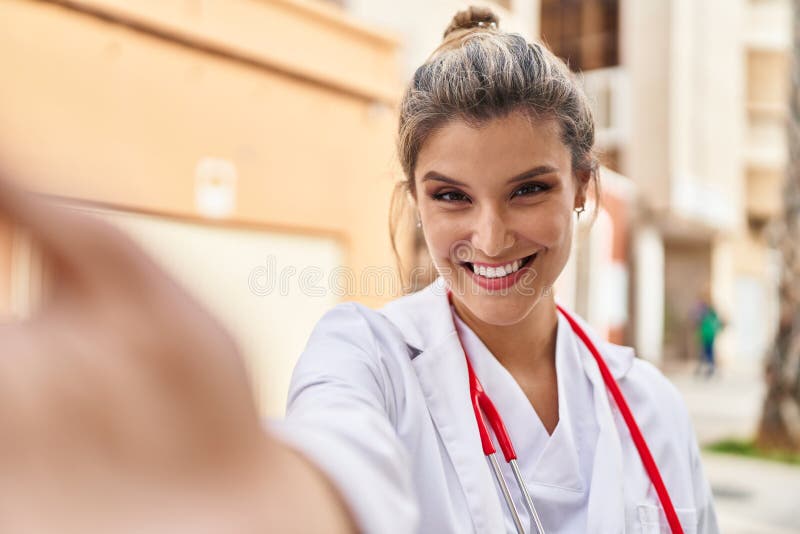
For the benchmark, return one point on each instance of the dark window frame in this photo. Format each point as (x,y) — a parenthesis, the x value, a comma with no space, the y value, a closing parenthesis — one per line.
(584,33)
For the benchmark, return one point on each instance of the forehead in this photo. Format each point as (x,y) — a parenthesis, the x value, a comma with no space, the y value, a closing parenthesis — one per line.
(499,148)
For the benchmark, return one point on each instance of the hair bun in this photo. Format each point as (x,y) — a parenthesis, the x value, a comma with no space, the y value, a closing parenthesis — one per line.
(472,17)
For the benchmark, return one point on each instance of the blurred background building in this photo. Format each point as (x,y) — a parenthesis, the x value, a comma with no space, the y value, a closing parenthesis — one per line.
(708,84)
(249,145)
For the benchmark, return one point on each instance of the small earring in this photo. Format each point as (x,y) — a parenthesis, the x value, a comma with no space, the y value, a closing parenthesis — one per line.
(580,210)
(419,222)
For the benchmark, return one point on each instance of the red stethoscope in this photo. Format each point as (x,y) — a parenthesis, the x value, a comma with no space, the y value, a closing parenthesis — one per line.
(482,405)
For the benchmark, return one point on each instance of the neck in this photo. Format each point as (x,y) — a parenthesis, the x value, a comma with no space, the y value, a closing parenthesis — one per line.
(526,346)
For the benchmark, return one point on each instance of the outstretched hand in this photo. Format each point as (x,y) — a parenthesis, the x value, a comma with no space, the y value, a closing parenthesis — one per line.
(125,407)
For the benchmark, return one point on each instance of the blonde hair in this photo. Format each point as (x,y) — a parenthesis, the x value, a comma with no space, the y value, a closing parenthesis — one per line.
(479,73)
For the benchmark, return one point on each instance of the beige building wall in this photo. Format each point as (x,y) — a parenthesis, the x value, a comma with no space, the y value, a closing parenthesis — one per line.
(646,158)
(216,131)
(268,288)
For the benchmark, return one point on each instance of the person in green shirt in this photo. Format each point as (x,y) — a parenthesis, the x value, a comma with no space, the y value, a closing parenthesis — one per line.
(708,326)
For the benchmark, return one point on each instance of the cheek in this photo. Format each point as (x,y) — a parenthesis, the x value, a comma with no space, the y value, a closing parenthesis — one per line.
(440,239)
(550,228)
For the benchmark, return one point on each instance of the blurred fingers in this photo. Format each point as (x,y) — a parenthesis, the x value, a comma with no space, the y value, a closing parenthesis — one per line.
(87,249)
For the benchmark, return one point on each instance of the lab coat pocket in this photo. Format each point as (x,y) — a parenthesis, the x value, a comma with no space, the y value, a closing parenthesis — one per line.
(651,520)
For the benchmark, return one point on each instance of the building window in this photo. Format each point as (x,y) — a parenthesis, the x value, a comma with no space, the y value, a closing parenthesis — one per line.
(584,33)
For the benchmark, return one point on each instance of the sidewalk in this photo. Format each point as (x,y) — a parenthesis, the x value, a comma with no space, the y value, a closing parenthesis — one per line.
(728,405)
(751,496)
(754,496)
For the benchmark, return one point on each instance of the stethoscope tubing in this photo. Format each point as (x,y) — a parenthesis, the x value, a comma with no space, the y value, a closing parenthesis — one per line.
(501,482)
(526,494)
(636,433)
(482,404)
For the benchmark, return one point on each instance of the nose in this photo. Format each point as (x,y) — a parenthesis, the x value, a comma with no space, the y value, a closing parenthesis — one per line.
(492,235)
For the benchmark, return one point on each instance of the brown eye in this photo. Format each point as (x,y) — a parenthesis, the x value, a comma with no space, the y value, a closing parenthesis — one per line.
(530,189)
(451,196)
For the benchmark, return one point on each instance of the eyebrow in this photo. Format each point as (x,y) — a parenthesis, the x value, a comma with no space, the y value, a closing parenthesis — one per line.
(530,173)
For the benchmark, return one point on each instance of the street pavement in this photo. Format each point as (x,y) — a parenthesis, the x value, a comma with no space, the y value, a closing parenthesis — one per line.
(751,496)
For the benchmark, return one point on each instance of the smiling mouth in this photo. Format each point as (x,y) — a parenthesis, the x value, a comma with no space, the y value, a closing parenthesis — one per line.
(502,271)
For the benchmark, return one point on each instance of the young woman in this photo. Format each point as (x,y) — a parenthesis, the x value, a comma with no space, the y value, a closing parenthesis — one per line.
(124,407)
(496,142)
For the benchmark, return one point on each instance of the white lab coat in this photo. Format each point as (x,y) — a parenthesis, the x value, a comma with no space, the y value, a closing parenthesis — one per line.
(379,401)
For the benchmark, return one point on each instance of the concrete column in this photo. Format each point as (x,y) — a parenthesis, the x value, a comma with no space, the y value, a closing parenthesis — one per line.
(649,257)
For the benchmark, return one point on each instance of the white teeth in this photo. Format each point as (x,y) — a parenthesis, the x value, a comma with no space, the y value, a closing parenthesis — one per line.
(498,272)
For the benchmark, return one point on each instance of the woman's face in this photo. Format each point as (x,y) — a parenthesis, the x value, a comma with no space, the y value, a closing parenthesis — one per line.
(496,205)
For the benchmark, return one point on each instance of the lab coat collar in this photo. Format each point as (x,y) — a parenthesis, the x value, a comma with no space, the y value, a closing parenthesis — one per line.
(618,358)
(427,326)
(424,319)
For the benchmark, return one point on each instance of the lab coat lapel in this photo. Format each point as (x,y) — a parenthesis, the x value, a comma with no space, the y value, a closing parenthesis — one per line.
(606,508)
(442,373)
(440,365)
(606,502)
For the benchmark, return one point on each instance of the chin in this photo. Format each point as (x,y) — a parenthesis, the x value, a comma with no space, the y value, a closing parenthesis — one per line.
(501,310)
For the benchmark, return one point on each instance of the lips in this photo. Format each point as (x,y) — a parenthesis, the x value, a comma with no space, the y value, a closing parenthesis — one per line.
(499,281)
(495,271)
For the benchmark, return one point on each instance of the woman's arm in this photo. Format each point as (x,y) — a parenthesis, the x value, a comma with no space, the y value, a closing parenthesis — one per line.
(125,407)
(341,414)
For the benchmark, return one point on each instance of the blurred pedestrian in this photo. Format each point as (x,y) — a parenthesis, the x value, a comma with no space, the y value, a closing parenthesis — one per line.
(707,326)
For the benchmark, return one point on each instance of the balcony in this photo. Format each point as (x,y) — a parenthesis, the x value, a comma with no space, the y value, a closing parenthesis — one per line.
(763,192)
(768,25)
(766,143)
(607,90)
(767,82)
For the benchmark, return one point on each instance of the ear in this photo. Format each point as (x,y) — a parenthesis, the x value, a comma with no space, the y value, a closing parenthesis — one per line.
(411,196)
(582,179)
